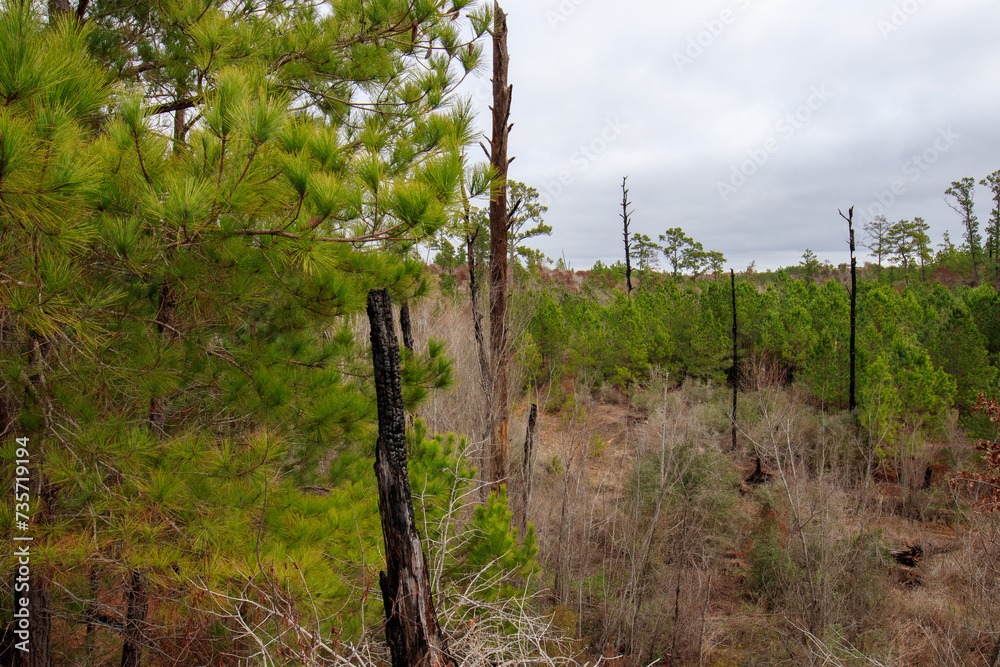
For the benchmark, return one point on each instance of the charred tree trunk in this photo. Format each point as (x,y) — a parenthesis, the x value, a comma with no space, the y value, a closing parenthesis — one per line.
(526,467)
(412,631)
(734,372)
(852,403)
(477,316)
(628,253)
(165,322)
(406,326)
(500,357)
(90,634)
(135,620)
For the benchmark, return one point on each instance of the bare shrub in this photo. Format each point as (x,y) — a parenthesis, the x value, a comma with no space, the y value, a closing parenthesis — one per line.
(804,564)
(665,532)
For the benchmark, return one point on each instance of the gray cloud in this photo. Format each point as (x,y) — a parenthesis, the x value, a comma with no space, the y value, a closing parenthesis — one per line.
(898,74)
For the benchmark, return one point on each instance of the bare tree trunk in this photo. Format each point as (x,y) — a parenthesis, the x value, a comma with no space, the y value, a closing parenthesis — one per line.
(625,221)
(135,620)
(852,403)
(499,422)
(526,468)
(477,317)
(180,129)
(58,8)
(90,635)
(412,631)
(165,326)
(39,628)
(735,370)
(406,326)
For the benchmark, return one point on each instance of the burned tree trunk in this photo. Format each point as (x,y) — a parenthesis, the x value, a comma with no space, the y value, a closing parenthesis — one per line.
(628,253)
(135,620)
(412,631)
(406,326)
(526,468)
(734,372)
(500,355)
(477,316)
(852,403)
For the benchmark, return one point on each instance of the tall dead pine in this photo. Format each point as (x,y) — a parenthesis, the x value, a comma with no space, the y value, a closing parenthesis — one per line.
(499,419)
(628,253)
(412,631)
(852,403)
(734,372)
(526,469)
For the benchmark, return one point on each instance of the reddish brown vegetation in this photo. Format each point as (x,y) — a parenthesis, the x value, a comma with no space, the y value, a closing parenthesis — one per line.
(986,484)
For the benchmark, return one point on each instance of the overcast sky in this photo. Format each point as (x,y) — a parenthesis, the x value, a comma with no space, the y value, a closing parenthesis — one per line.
(748,123)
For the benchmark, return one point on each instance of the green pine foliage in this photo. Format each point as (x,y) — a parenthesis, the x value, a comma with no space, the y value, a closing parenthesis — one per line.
(178,307)
(492,560)
(923,351)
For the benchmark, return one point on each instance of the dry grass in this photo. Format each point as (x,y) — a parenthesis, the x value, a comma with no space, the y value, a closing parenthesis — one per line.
(642,568)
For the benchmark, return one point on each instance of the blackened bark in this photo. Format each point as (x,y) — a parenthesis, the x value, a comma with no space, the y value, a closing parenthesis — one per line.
(165,322)
(477,316)
(135,620)
(90,635)
(406,326)
(734,372)
(854,300)
(412,631)
(628,253)
(526,467)
(500,355)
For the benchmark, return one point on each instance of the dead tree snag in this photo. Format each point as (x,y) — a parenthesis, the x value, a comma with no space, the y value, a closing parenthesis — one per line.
(499,422)
(412,631)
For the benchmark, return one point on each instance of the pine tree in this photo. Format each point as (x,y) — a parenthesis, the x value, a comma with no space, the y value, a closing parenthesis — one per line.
(902,245)
(645,252)
(962,190)
(675,246)
(526,221)
(810,265)
(921,243)
(181,260)
(993,227)
(876,233)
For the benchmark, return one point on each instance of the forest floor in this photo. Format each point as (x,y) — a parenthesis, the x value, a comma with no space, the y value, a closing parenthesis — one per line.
(923,610)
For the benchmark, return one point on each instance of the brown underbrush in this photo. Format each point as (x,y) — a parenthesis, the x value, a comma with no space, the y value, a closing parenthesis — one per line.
(658,543)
